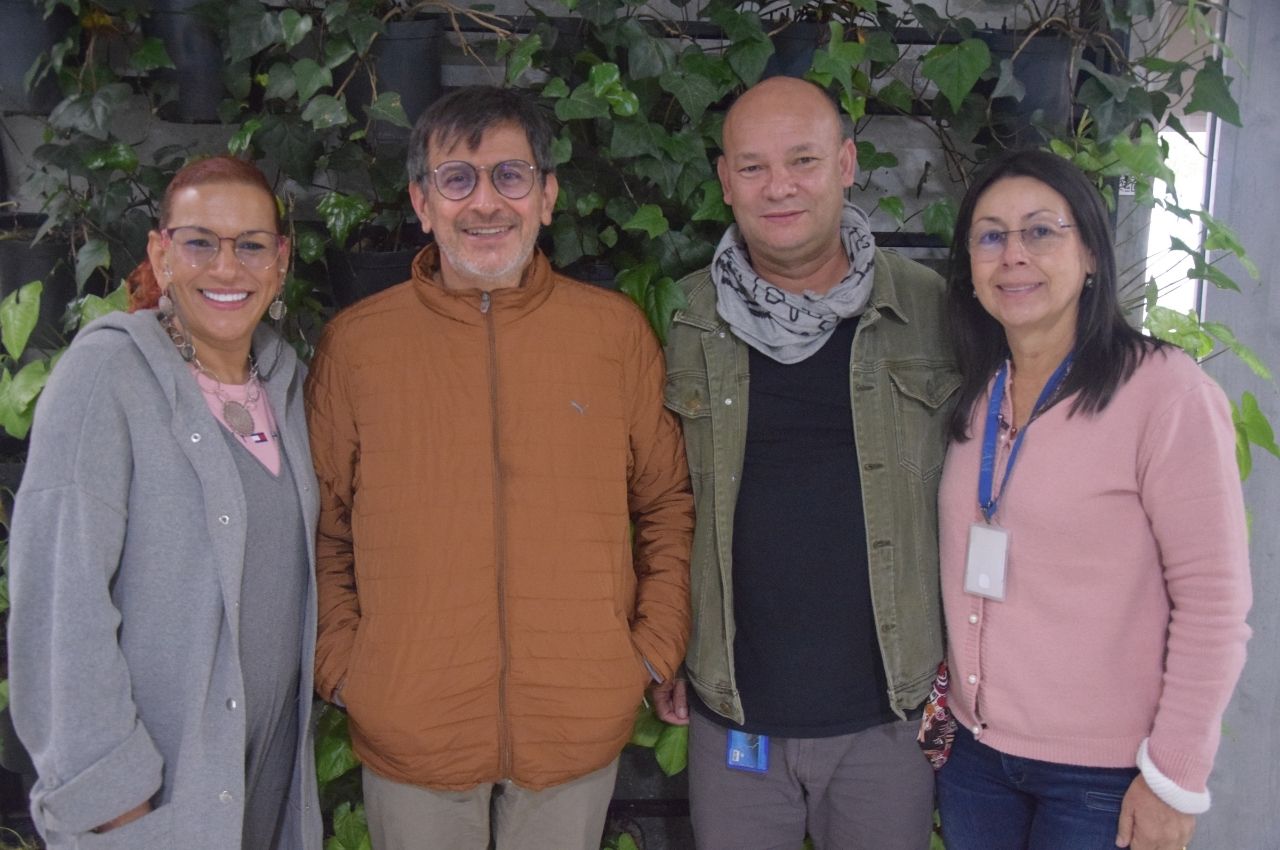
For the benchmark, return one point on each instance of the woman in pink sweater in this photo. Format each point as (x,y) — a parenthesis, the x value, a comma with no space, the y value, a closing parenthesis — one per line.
(1094,559)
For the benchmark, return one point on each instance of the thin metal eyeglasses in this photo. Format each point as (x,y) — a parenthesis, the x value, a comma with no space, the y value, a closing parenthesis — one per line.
(198,246)
(456,180)
(1039,239)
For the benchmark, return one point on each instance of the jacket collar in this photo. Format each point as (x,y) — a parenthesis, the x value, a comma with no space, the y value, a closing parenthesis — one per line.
(465,305)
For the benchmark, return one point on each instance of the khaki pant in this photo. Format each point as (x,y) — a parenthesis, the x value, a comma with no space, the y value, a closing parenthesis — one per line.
(564,817)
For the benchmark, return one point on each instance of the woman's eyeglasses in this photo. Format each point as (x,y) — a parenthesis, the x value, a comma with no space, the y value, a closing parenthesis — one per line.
(1039,239)
(198,246)
(456,180)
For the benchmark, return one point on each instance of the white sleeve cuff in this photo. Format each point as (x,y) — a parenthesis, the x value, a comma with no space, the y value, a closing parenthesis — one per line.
(1172,794)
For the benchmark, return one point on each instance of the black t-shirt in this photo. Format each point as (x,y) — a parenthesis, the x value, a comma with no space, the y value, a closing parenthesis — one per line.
(806,655)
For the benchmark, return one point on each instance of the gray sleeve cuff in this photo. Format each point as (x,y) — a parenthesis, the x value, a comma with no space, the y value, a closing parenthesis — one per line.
(111,786)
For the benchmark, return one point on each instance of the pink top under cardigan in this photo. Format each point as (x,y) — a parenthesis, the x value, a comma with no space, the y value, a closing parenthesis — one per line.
(1127,541)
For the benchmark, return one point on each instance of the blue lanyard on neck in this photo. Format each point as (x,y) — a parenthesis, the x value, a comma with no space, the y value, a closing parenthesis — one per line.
(986,473)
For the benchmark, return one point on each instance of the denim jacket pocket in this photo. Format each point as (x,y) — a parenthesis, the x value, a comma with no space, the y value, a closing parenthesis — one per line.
(920,411)
(688,395)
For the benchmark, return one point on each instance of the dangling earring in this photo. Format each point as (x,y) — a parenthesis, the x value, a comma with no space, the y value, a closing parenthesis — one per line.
(278,309)
(1088,281)
(165,305)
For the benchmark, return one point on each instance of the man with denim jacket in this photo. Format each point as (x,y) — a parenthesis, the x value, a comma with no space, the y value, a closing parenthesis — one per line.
(812,376)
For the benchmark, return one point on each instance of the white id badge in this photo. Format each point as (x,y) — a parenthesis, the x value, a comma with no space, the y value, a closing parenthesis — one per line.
(988,558)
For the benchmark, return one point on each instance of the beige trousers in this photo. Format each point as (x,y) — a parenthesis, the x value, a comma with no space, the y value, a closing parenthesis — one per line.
(564,817)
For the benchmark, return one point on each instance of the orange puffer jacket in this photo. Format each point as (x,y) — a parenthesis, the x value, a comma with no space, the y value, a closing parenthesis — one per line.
(505,527)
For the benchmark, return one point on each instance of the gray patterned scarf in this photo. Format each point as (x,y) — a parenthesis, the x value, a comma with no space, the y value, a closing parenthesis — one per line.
(780,324)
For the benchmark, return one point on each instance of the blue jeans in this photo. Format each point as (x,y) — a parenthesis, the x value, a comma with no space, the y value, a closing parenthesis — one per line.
(991,801)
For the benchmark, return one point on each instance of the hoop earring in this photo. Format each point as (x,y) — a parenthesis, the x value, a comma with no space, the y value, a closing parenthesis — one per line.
(278,309)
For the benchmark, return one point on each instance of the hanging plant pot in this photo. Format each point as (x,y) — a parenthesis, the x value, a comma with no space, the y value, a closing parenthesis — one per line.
(25,33)
(193,46)
(1042,67)
(793,49)
(356,275)
(406,60)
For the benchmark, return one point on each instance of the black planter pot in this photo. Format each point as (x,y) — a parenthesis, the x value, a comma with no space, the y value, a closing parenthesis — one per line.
(353,276)
(406,60)
(1043,67)
(24,34)
(49,261)
(194,48)
(793,49)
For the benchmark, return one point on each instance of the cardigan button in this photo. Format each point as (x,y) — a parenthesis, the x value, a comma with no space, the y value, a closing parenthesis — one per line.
(224,519)
(973,678)
(728,401)
(225,796)
(973,618)
(232,705)
(195,438)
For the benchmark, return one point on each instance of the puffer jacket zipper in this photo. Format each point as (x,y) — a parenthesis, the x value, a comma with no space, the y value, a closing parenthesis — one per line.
(499,542)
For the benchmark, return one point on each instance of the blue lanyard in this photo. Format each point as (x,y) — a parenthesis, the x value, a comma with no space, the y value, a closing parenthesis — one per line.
(986,473)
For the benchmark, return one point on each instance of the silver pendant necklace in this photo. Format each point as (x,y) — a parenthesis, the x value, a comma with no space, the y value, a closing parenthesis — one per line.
(238,415)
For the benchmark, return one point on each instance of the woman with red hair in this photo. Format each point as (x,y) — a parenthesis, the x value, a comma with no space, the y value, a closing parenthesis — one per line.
(163,601)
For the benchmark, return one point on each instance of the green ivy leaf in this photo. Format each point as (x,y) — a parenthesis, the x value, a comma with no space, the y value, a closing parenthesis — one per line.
(93,255)
(672,749)
(89,113)
(626,842)
(940,219)
(334,756)
(893,207)
(634,137)
(566,240)
(326,111)
(1227,337)
(562,149)
(608,236)
(295,27)
(343,213)
(521,57)
(337,51)
(647,727)
(309,244)
(586,204)
(1211,92)
(838,60)
(18,394)
(387,107)
(869,158)
(955,68)
(581,104)
(1181,329)
(93,307)
(113,157)
(4,684)
(648,219)
(350,829)
(309,76)
(1257,427)
(712,206)
(240,141)
(19,312)
(150,56)
(250,31)
(647,56)
(556,87)
(897,95)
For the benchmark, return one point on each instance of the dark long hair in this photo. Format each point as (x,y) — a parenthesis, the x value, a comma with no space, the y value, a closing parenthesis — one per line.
(1107,348)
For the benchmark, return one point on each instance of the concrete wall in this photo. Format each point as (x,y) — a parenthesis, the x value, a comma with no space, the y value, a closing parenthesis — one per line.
(1246,780)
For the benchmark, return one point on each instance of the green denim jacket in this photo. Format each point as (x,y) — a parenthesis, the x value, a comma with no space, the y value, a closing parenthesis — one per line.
(902,380)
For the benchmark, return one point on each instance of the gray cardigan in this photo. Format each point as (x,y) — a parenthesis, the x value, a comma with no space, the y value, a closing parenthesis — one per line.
(125,564)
